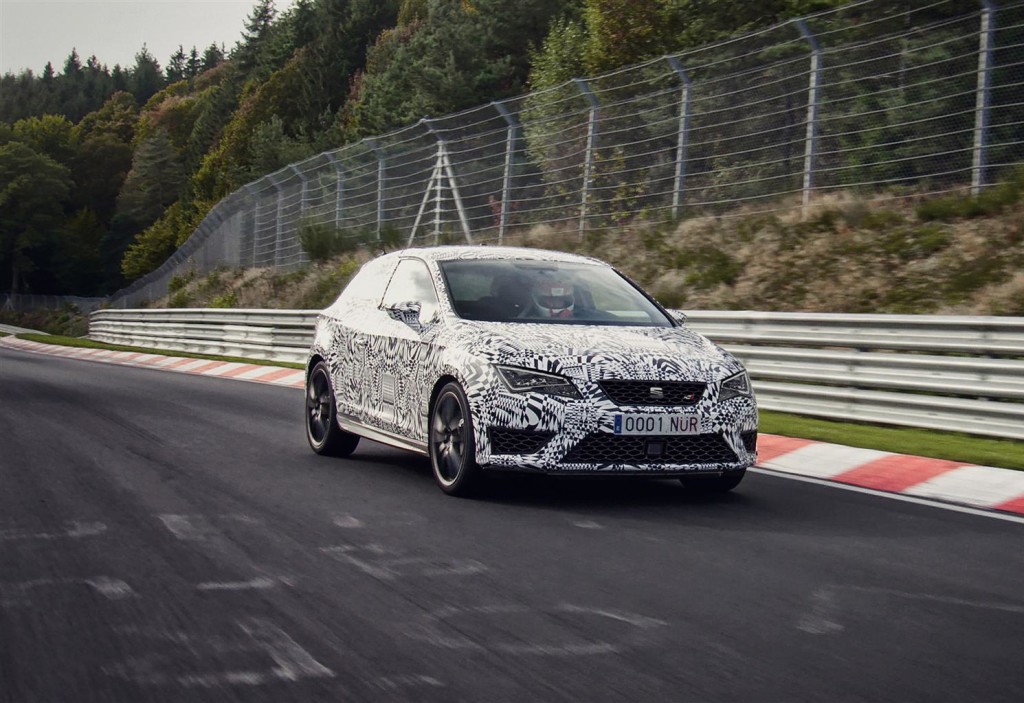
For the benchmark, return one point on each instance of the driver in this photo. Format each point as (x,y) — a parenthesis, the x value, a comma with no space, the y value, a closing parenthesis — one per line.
(553,298)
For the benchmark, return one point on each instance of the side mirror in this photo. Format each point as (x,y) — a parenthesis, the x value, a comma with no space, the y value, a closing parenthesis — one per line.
(678,316)
(407,312)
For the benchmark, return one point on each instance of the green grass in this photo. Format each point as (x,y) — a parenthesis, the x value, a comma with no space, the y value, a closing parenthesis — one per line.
(1004,453)
(90,344)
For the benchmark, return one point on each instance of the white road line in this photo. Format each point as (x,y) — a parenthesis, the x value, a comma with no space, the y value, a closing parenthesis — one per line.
(1007,517)
(293,662)
(17,593)
(188,528)
(259,583)
(433,630)
(347,521)
(75,530)
(161,668)
(394,682)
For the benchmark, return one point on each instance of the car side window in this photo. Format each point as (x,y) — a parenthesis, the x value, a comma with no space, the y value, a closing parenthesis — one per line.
(412,283)
(368,283)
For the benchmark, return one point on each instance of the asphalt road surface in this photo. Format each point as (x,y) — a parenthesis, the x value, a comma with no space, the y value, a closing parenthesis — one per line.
(172,538)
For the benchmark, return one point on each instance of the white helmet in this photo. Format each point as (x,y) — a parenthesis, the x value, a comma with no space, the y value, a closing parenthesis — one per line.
(554,298)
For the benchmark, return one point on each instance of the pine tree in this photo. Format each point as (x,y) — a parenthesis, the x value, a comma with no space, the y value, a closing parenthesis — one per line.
(213,56)
(193,66)
(72,65)
(176,68)
(254,35)
(154,181)
(146,78)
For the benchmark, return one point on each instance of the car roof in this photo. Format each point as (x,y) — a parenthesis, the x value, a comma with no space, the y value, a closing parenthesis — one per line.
(462,252)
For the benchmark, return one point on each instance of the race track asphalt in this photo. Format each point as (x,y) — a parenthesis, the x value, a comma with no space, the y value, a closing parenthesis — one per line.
(166,537)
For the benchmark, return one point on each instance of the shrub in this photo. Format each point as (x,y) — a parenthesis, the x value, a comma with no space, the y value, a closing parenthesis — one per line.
(180,299)
(990,201)
(228,300)
(180,281)
(326,241)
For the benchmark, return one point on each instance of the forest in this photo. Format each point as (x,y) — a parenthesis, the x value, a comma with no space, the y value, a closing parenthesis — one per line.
(105,172)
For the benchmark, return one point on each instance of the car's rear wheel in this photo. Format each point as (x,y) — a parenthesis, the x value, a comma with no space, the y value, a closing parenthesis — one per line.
(714,484)
(322,431)
(452,449)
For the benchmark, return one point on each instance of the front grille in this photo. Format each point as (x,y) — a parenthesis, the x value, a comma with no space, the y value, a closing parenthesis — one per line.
(653,392)
(507,441)
(602,448)
(749,440)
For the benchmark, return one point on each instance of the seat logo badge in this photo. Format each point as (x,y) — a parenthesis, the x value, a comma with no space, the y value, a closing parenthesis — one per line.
(657,392)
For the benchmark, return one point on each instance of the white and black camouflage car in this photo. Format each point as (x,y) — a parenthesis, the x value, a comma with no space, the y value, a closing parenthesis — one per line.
(490,358)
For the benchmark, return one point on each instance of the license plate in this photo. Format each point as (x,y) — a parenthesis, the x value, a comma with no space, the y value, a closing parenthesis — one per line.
(651,424)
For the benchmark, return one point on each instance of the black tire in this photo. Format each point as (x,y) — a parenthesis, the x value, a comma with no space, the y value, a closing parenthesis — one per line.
(714,484)
(451,445)
(322,431)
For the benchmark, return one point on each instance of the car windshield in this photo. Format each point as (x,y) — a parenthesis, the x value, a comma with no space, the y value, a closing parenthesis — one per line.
(545,291)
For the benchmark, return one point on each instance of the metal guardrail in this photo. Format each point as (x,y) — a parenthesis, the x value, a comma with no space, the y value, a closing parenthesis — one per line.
(951,373)
(278,335)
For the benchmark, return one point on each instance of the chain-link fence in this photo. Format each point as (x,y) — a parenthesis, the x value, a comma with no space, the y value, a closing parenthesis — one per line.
(14,302)
(893,97)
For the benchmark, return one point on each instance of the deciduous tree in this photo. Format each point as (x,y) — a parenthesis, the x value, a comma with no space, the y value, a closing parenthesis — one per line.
(33,189)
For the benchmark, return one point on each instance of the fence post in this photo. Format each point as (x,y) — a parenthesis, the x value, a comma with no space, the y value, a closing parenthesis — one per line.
(339,186)
(506,181)
(981,109)
(381,165)
(684,134)
(813,87)
(279,218)
(588,162)
(442,169)
(251,236)
(303,206)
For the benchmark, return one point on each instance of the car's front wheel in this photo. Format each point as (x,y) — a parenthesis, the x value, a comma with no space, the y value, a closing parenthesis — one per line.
(322,431)
(452,450)
(714,484)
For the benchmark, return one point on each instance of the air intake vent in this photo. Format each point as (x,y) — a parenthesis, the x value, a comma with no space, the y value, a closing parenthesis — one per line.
(506,441)
(676,393)
(602,448)
(749,440)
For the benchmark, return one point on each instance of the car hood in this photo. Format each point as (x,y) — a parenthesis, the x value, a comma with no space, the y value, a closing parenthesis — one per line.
(598,350)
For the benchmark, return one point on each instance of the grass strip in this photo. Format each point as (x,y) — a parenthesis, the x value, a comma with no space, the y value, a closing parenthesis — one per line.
(90,344)
(953,446)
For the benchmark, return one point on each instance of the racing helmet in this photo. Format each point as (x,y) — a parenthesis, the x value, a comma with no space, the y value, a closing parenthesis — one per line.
(554,298)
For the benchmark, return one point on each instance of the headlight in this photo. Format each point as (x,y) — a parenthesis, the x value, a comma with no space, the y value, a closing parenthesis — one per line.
(736,385)
(526,380)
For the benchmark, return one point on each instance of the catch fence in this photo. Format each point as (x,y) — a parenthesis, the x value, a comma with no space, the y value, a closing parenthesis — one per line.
(876,97)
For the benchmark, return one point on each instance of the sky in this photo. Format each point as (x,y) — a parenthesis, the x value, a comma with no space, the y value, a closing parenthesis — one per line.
(33,32)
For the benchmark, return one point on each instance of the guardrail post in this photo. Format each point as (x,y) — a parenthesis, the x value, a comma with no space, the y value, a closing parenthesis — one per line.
(683,137)
(381,165)
(511,136)
(813,88)
(981,109)
(588,162)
